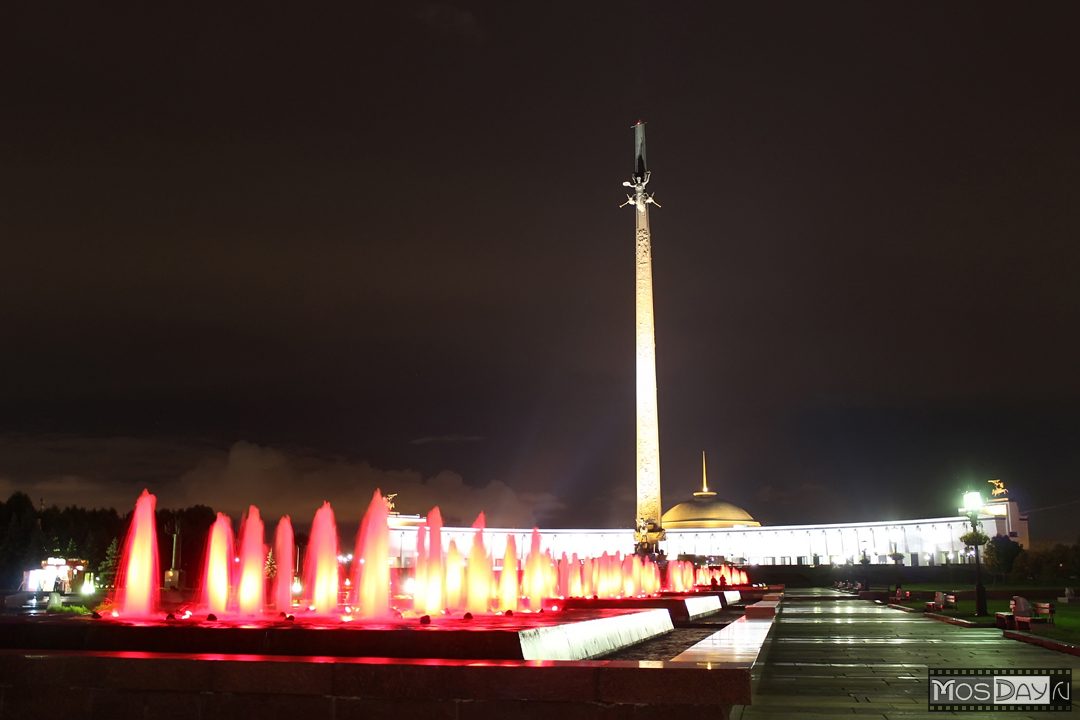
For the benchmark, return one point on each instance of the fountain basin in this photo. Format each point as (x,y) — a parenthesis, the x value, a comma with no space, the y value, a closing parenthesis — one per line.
(569,635)
(682,609)
(140,685)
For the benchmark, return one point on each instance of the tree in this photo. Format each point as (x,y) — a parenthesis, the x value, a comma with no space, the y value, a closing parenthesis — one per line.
(1000,554)
(974,537)
(107,569)
(21,535)
(1023,569)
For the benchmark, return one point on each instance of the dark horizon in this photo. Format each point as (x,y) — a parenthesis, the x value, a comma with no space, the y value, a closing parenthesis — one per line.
(253,256)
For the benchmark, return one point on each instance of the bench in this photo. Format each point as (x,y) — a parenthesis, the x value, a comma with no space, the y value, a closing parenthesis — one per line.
(1041,612)
(941,601)
(762,609)
(1007,620)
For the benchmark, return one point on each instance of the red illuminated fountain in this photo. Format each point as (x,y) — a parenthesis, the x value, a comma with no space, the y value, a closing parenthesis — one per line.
(372,581)
(528,607)
(508,578)
(138,582)
(252,564)
(479,579)
(217,575)
(429,595)
(284,552)
(443,579)
(322,578)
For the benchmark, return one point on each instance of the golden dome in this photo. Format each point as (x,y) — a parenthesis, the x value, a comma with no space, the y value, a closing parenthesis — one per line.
(706,512)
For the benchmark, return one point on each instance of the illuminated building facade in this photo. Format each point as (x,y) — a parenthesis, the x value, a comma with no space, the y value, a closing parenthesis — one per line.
(919,542)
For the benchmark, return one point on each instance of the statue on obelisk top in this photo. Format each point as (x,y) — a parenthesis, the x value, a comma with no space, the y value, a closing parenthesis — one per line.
(648,531)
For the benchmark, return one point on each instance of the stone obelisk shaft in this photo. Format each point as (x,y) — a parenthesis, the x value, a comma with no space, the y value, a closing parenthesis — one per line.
(648,529)
(648,431)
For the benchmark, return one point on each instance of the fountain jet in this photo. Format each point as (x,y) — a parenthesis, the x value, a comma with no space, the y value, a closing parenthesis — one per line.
(137,582)
(373,565)
(219,565)
(321,571)
(285,552)
(252,563)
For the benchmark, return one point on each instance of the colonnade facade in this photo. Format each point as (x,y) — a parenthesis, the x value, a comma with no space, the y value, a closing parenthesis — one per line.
(931,541)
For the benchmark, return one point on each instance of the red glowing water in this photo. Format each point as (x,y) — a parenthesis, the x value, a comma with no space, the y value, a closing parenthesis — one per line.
(252,563)
(455,578)
(420,566)
(372,568)
(508,579)
(321,570)
(537,573)
(430,597)
(285,560)
(219,565)
(137,583)
(574,587)
(479,582)
(236,582)
(562,587)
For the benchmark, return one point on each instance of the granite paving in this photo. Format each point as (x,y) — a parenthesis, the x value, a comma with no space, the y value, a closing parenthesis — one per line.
(833,656)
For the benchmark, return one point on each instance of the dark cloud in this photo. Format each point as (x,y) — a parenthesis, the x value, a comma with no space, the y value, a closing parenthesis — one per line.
(453,439)
(450,20)
(110,472)
(312,237)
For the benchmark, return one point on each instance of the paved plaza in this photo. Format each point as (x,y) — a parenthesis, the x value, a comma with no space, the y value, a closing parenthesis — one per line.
(837,657)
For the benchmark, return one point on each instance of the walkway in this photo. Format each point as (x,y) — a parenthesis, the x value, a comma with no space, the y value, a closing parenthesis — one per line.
(837,657)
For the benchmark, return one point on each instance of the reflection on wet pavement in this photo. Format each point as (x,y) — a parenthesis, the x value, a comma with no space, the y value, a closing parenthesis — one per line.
(832,656)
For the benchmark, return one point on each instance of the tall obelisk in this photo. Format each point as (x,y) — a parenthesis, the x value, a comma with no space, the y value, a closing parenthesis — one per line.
(648,531)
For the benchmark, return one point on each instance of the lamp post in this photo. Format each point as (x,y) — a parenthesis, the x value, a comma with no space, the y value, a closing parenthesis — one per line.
(973,503)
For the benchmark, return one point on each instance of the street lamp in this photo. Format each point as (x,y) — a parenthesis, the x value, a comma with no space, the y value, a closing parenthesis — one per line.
(973,504)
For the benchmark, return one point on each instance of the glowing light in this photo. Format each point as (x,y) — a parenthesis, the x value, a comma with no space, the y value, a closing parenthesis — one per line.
(432,600)
(455,577)
(443,582)
(373,549)
(508,579)
(537,572)
(218,570)
(250,595)
(284,557)
(321,567)
(478,574)
(88,586)
(139,581)
(973,501)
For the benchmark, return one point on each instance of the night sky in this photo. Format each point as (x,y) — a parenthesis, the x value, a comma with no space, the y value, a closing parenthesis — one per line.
(276,254)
